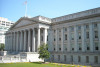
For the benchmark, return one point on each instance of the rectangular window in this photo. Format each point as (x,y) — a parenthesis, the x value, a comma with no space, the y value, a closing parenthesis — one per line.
(71,58)
(79,35)
(87,35)
(95,25)
(79,59)
(72,36)
(64,57)
(80,46)
(87,26)
(87,59)
(95,59)
(88,46)
(65,29)
(96,46)
(58,57)
(65,36)
(52,57)
(72,28)
(79,27)
(95,34)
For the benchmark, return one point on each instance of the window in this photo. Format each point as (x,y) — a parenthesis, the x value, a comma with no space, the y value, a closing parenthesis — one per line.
(79,27)
(72,47)
(65,29)
(58,57)
(71,58)
(59,39)
(79,35)
(87,35)
(87,59)
(95,34)
(95,25)
(72,36)
(88,46)
(60,49)
(95,59)
(41,38)
(65,36)
(79,46)
(54,31)
(54,39)
(72,28)
(87,26)
(96,46)
(52,57)
(64,57)
(79,59)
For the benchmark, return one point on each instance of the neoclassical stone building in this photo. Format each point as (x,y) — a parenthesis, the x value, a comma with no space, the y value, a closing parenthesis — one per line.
(73,38)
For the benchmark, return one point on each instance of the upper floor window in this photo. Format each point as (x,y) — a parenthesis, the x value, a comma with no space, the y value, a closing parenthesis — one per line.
(87,26)
(87,35)
(79,27)
(87,46)
(95,25)
(79,46)
(72,28)
(72,36)
(65,36)
(79,35)
(65,29)
(95,34)
(96,46)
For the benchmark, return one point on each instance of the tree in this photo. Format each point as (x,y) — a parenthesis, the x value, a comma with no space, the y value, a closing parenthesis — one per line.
(43,52)
(2,47)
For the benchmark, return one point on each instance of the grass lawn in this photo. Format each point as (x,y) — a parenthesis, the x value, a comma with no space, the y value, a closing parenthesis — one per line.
(37,65)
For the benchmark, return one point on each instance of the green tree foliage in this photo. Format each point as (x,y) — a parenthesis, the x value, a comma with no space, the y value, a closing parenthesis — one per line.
(2,47)
(43,52)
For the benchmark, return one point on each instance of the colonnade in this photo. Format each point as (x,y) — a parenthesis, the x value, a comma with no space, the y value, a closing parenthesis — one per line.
(27,40)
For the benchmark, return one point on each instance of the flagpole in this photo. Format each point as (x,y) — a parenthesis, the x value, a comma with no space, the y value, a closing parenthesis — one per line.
(26,9)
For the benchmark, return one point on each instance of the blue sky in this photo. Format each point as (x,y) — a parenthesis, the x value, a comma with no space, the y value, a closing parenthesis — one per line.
(14,9)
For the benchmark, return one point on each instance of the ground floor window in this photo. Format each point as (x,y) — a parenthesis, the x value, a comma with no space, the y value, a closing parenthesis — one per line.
(64,57)
(95,59)
(58,57)
(87,59)
(79,59)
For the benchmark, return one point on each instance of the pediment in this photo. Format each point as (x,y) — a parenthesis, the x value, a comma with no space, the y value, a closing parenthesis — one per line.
(23,23)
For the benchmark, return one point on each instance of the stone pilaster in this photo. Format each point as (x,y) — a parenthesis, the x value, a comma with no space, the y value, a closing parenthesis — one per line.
(83,38)
(62,39)
(91,36)
(76,38)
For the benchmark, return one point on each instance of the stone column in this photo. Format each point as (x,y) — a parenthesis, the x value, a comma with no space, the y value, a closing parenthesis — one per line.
(38,42)
(24,40)
(69,38)
(33,42)
(99,35)
(14,42)
(11,41)
(91,36)
(17,41)
(62,39)
(20,40)
(45,35)
(75,38)
(56,43)
(29,32)
(83,38)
